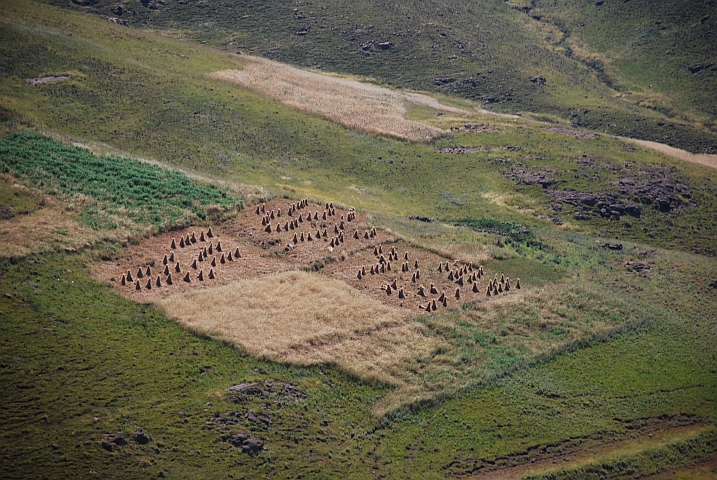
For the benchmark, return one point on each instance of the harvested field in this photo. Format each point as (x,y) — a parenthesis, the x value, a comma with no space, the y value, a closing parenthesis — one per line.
(708,160)
(347,102)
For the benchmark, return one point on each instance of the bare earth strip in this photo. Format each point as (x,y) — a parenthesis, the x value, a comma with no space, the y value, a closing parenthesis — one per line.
(700,158)
(347,102)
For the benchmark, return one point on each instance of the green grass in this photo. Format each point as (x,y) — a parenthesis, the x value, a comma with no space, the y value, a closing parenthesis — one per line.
(146,194)
(487,48)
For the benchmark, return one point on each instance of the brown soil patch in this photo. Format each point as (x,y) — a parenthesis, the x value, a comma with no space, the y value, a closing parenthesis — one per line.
(347,102)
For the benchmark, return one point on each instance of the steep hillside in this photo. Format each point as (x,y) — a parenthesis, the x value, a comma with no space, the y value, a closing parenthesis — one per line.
(485,51)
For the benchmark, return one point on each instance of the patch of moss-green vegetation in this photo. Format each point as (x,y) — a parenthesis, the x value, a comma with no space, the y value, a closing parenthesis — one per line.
(16,199)
(144,193)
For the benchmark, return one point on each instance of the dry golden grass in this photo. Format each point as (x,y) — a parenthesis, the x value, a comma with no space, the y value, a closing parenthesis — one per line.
(348,102)
(702,159)
(49,228)
(305,318)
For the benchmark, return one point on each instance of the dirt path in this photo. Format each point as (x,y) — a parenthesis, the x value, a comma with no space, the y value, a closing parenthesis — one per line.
(700,158)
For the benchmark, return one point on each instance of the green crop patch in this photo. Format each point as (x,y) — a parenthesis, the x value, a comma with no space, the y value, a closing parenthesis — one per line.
(144,193)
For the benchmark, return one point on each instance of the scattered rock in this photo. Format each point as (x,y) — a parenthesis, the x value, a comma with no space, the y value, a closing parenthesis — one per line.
(524,177)
(611,246)
(265,389)
(117,10)
(473,128)
(385,45)
(141,437)
(713,284)
(249,445)
(698,67)
(420,219)
(662,193)
(439,81)
(118,21)
(83,3)
(538,80)
(639,267)
(107,445)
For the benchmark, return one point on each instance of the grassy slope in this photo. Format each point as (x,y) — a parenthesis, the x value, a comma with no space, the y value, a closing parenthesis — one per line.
(149,95)
(489,49)
(142,370)
(646,47)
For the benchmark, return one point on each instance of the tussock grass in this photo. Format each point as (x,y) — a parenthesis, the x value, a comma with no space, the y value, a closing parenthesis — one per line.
(348,102)
(304,319)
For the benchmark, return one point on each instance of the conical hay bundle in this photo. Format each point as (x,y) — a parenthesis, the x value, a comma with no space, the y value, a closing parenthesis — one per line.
(336,230)
(370,233)
(458,293)
(450,276)
(445,302)
(223,260)
(415,264)
(517,284)
(333,212)
(331,205)
(296,224)
(413,277)
(388,290)
(165,260)
(377,267)
(440,268)
(373,230)
(174,244)
(211,274)
(214,262)
(205,252)
(263,208)
(502,278)
(258,210)
(443,295)
(470,278)
(365,235)
(316,216)
(139,273)
(475,288)
(290,210)
(309,238)
(363,271)
(341,225)
(325,234)
(323,217)
(194,238)
(268,229)
(421,291)
(480,270)
(460,281)
(194,264)
(202,238)
(124,280)
(200,277)
(359,276)
(219,247)
(470,266)
(318,234)
(278,212)
(372,271)
(187,240)
(137,286)
(342,217)
(129,276)
(507,284)
(418,274)
(394,285)
(380,248)
(405,256)
(332,245)
(446,267)
(301,218)
(158,283)
(149,284)
(296,239)
(291,226)
(271,215)
(427,307)
(433,289)
(181,242)
(356,235)
(169,279)
(500,288)
(237,254)
(210,249)
(433,306)
(278,227)
(303,238)
(375,251)
(200,257)
(383,268)
(210,234)
(177,268)
(401,295)
(388,265)
(487,292)
(166,270)
(229,257)
(286,226)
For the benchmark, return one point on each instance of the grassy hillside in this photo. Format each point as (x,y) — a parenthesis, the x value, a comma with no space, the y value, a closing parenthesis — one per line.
(486,51)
